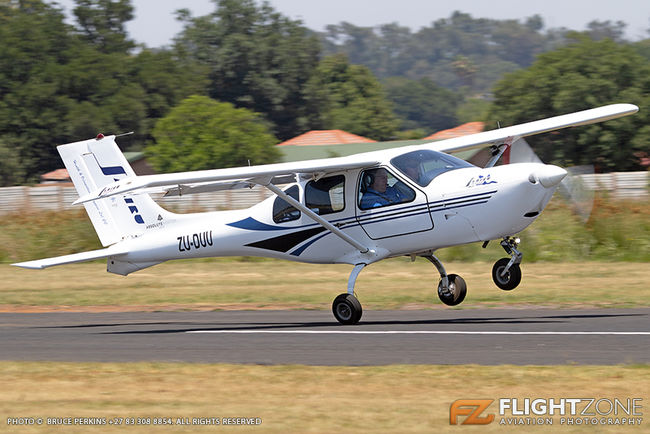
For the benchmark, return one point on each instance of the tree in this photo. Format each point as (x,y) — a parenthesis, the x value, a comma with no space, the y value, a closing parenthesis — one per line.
(348,97)
(102,22)
(422,104)
(11,172)
(201,133)
(35,44)
(455,52)
(57,87)
(582,75)
(606,29)
(255,57)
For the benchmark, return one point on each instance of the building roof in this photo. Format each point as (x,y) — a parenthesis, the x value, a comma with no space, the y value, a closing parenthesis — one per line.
(295,150)
(300,153)
(461,130)
(58,175)
(325,137)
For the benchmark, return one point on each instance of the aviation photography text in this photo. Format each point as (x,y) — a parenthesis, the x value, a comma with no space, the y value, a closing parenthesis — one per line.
(548,411)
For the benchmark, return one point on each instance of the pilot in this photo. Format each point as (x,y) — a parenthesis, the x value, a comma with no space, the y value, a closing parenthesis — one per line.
(379,193)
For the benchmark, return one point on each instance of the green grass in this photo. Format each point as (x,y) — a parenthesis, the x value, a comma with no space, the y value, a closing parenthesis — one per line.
(391,284)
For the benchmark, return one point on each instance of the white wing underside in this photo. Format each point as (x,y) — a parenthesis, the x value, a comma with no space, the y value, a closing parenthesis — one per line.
(175,184)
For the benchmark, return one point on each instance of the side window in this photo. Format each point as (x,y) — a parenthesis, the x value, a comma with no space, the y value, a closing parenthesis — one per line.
(379,188)
(282,210)
(325,196)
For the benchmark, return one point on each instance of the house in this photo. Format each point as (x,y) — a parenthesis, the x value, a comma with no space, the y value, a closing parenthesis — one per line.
(336,143)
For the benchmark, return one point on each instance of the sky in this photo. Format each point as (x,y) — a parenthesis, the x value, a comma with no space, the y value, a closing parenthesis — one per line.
(155,24)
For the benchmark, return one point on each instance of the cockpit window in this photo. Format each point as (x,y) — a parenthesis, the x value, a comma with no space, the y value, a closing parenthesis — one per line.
(423,166)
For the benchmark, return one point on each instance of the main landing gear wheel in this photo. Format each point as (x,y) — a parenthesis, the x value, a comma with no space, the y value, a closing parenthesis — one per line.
(452,288)
(509,279)
(347,309)
(456,292)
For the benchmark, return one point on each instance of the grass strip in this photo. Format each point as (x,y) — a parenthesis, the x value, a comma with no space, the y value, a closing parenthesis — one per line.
(393,284)
(397,398)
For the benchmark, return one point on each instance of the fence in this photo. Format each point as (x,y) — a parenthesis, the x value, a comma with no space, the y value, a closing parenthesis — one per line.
(620,185)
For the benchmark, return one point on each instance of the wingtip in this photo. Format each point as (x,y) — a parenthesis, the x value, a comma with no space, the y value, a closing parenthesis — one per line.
(626,108)
(31,265)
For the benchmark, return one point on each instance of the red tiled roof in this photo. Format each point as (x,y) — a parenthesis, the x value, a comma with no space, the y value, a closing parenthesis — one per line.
(461,130)
(56,175)
(326,137)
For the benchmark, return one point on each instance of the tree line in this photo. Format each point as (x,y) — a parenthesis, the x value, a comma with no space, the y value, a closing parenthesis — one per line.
(244,77)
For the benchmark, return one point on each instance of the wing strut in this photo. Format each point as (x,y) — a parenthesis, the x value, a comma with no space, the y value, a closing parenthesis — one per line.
(327,225)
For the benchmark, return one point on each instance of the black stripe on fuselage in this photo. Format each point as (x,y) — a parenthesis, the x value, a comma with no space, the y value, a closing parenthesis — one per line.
(284,243)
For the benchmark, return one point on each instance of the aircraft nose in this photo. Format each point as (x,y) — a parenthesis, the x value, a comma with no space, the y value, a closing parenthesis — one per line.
(549,175)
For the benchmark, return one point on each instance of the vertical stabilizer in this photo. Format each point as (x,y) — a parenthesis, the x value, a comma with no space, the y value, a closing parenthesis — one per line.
(95,163)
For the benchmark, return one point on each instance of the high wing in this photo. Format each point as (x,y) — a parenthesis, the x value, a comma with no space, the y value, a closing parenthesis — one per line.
(515,132)
(220,179)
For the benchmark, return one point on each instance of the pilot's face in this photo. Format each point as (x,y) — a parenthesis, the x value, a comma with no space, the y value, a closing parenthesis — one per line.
(381,181)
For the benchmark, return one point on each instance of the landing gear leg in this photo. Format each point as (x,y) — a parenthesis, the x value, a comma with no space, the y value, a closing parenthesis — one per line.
(452,288)
(346,308)
(506,272)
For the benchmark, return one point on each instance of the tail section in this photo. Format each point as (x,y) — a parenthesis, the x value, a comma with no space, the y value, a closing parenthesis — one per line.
(96,163)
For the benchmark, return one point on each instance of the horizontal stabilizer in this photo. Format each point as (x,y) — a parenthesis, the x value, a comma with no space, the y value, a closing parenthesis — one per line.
(75,257)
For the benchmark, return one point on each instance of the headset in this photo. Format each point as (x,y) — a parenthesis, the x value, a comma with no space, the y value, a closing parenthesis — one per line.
(367,179)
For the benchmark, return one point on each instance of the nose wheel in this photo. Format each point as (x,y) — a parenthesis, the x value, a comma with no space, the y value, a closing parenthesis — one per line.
(504,277)
(506,272)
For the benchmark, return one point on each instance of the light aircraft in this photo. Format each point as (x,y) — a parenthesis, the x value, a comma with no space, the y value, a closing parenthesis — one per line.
(356,210)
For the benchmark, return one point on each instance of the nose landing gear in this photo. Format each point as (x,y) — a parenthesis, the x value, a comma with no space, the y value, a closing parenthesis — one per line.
(506,272)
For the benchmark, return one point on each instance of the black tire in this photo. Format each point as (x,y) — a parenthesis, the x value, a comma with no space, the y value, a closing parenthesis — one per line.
(347,309)
(457,288)
(511,279)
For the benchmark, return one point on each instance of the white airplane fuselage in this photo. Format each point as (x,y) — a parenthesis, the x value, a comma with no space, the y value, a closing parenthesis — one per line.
(457,207)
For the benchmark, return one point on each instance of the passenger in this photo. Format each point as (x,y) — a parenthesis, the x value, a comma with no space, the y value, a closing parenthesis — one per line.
(379,193)
(412,169)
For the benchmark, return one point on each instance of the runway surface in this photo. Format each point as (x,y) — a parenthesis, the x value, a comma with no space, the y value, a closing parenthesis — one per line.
(476,336)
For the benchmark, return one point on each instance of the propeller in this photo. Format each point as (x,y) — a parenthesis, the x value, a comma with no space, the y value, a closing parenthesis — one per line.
(572,188)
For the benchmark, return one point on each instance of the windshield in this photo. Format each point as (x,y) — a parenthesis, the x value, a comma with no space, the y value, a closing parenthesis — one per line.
(423,166)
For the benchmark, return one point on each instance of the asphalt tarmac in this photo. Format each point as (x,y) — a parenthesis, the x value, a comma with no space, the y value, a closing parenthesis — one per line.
(474,336)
